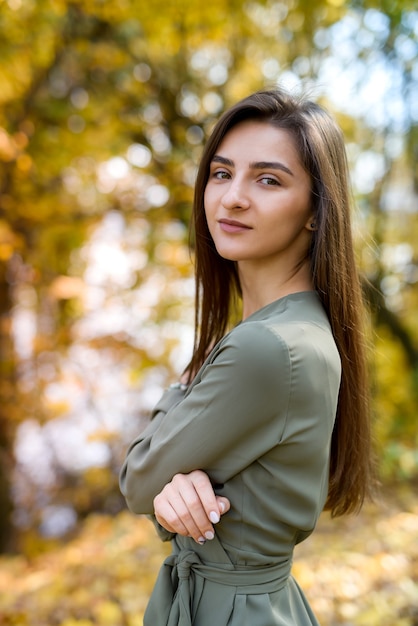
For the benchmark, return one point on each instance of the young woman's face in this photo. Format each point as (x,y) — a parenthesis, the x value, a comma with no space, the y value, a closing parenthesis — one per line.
(257,198)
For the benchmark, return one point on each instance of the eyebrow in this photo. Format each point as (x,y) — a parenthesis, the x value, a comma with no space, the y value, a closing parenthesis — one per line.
(256,165)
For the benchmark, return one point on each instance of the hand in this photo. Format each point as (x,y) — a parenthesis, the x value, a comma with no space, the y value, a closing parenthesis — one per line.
(189,506)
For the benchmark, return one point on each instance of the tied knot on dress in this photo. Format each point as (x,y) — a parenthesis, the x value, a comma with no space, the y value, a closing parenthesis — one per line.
(181,587)
(186,559)
(183,577)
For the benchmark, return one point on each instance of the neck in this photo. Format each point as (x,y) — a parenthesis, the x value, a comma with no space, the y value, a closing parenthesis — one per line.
(262,288)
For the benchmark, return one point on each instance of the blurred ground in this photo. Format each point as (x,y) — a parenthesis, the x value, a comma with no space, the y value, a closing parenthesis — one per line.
(356,571)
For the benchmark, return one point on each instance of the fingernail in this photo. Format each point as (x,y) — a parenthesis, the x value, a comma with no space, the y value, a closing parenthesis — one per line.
(214,517)
(201,540)
(221,504)
(209,535)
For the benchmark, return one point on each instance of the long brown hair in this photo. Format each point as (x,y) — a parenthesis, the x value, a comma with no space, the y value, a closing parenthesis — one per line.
(322,153)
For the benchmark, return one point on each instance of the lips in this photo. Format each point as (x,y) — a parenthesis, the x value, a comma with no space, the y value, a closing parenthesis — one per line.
(233,226)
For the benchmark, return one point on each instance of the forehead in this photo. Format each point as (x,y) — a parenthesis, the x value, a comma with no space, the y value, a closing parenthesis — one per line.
(259,139)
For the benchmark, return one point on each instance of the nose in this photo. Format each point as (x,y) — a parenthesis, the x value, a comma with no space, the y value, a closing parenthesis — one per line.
(236,196)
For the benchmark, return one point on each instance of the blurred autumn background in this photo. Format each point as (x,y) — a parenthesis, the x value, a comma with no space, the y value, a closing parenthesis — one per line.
(104,108)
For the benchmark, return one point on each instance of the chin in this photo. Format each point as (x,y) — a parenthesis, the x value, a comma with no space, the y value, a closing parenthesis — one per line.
(229,257)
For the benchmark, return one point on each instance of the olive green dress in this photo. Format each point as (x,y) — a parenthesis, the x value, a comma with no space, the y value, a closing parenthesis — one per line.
(258,420)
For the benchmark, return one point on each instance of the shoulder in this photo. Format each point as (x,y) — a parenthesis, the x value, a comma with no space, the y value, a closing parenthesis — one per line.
(253,369)
(255,340)
(253,351)
(293,323)
(273,347)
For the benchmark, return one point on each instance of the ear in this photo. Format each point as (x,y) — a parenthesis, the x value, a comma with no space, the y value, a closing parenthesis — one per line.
(311,223)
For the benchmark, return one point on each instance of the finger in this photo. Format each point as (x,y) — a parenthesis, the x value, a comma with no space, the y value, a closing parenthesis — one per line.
(195,518)
(207,496)
(223,504)
(161,519)
(172,513)
(166,517)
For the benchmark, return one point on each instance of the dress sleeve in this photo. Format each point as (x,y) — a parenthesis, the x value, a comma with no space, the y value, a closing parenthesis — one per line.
(233,413)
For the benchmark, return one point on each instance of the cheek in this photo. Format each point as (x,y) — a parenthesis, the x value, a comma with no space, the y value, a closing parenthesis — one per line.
(208,203)
(206,213)
(300,209)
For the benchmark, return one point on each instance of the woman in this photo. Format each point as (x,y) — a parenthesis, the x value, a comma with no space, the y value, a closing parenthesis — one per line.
(270,421)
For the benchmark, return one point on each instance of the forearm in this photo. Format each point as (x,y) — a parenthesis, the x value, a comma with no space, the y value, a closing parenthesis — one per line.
(134,480)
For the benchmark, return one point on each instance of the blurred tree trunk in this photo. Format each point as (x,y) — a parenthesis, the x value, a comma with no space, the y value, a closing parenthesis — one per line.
(7,396)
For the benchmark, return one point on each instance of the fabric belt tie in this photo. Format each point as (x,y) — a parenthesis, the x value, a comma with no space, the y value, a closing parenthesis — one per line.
(181,581)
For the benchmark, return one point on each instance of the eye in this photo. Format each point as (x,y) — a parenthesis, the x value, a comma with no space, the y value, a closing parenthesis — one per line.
(220,175)
(269,180)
